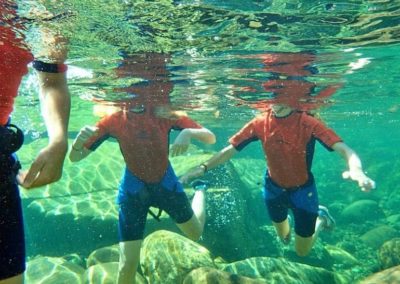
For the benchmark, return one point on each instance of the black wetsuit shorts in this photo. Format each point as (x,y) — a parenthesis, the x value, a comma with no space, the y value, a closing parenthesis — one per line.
(12,243)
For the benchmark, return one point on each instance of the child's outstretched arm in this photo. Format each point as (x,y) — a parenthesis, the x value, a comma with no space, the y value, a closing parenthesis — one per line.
(219,158)
(355,171)
(182,141)
(78,150)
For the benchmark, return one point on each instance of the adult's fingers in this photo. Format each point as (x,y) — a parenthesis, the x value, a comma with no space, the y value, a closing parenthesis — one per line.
(30,176)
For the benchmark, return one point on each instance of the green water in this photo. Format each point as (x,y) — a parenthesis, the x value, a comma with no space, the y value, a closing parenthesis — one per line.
(214,47)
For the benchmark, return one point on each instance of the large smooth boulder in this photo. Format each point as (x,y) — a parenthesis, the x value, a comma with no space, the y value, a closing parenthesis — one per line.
(207,275)
(389,253)
(362,210)
(166,257)
(387,276)
(279,270)
(378,235)
(106,273)
(342,257)
(102,273)
(103,255)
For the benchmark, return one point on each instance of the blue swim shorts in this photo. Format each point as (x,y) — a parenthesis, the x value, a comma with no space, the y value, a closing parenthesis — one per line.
(302,200)
(135,197)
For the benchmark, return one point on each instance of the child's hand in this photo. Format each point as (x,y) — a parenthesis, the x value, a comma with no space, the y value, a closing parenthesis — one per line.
(192,174)
(181,143)
(85,133)
(364,182)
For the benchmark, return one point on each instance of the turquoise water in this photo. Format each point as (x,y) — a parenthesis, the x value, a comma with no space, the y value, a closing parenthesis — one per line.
(216,50)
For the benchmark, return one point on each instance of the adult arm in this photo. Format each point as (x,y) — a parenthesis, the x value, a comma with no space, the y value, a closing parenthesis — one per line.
(355,171)
(55,107)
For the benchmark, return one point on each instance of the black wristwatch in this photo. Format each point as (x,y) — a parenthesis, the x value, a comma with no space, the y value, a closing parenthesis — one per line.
(204,167)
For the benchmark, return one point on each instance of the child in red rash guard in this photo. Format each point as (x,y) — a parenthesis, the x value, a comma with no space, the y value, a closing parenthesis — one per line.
(288,133)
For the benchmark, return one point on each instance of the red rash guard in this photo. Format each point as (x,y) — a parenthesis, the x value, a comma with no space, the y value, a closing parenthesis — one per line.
(13,66)
(143,140)
(288,144)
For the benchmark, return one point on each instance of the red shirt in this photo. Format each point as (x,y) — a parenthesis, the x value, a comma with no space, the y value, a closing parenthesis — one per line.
(13,66)
(143,140)
(288,144)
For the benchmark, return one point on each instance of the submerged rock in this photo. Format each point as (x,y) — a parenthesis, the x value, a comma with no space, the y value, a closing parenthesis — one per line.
(388,276)
(207,275)
(106,273)
(389,253)
(75,259)
(394,220)
(53,270)
(377,236)
(103,255)
(318,257)
(342,257)
(168,257)
(279,270)
(102,273)
(362,210)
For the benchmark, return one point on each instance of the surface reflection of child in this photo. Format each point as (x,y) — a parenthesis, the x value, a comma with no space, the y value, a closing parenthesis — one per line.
(142,128)
(288,134)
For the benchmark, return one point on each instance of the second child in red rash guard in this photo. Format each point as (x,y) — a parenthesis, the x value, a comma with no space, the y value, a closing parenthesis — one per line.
(287,133)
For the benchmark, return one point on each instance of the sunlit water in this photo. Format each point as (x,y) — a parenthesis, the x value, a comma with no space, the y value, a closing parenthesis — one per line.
(216,50)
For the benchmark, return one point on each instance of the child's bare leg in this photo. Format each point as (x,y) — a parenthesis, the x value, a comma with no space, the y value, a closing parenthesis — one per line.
(324,222)
(283,230)
(128,261)
(194,227)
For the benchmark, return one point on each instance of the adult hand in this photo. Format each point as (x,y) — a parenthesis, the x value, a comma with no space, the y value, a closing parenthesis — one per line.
(181,143)
(46,168)
(364,182)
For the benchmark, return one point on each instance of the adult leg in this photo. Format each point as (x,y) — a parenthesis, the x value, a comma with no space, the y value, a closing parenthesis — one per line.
(194,227)
(128,261)
(12,243)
